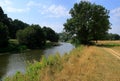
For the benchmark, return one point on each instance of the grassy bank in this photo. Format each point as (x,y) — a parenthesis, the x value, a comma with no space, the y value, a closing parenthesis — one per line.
(14,46)
(84,63)
(109,44)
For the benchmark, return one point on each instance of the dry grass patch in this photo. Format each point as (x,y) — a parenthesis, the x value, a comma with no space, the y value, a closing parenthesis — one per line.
(90,64)
(117,49)
(109,42)
(82,64)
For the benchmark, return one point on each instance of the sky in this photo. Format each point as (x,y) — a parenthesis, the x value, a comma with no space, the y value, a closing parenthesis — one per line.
(54,13)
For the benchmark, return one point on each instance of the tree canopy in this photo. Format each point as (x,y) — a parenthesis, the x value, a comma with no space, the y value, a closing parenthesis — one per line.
(4,23)
(64,37)
(88,22)
(3,35)
(31,36)
(111,36)
(17,25)
(50,34)
(5,20)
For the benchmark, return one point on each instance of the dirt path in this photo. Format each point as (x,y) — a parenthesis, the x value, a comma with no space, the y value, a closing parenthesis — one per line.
(111,51)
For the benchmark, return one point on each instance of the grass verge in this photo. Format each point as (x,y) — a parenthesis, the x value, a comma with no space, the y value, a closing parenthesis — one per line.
(13,46)
(82,64)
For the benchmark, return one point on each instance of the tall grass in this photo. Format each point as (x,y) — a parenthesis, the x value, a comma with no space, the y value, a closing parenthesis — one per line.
(82,64)
(109,44)
(36,70)
(46,67)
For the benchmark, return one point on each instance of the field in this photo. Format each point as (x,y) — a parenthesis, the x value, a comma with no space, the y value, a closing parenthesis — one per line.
(85,63)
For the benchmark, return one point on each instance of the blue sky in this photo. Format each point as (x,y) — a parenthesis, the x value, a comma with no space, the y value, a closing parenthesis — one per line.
(53,13)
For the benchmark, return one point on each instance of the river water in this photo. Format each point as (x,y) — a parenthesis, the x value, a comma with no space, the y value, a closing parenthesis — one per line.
(11,63)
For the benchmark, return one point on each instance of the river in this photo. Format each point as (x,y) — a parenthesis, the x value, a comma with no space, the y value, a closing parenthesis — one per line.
(11,63)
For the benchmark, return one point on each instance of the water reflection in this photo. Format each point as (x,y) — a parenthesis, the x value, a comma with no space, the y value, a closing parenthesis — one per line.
(62,49)
(3,64)
(11,63)
(16,63)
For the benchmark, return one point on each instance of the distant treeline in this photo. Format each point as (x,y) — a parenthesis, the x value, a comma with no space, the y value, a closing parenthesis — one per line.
(108,36)
(30,35)
(111,36)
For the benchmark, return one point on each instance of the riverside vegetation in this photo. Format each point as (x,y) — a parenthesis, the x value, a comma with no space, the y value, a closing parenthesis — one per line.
(28,36)
(85,63)
(88,22)
(14,46)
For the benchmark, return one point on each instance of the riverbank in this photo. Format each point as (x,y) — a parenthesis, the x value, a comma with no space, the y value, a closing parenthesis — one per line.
(93,63)
(15,47)
(12,62)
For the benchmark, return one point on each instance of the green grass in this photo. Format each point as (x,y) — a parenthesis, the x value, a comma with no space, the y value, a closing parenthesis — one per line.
(13,46)
(13,41)
(34,70)
(82,64)
(108,44)
(37,70)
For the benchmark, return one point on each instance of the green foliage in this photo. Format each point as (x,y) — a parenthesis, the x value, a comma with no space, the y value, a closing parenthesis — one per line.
(37,70)
(50,34)
(34,70)
(13,46)
(88,22)
(13,26)
(4,23)
(5,20)
(32,36)
(108,45)
(111,36)
(3,35)
(17,25)
(64,36)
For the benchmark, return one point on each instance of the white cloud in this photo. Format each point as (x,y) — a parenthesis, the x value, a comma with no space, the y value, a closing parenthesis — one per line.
(5,3)
(57,26)
(55,11)
(115,20)
(8,7)
(8,2)
(12,9)
(32,3)
(116,11)
(49,10)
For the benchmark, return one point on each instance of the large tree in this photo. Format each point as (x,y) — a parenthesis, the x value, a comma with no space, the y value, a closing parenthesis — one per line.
(50,34)
(4,23)
(111,36)
(32,36)
(17,25)
(13,25)
(88,22)
(3,35)
(5,20)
